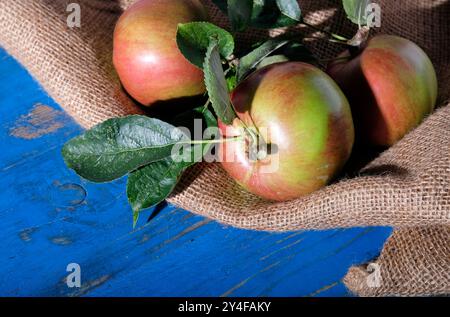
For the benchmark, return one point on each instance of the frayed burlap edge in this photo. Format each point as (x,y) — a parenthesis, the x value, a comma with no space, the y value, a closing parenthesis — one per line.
(414,262)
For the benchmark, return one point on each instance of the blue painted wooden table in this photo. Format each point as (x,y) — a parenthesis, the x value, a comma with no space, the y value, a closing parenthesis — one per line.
(49,217)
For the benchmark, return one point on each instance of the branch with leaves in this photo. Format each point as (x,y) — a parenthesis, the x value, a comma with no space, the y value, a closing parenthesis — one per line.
(142,147)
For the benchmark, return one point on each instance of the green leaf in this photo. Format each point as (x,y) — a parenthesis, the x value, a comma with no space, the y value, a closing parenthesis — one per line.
(290,8)
(356,11)
(208,116)
(193,40)
(271,52)
(269,14)
(240,14)
(274,59)
(216,84)
(296,51)
(150,185)
(251,60)
(258,8)
(222,5)
(118,146)
(231,82)
(135,218)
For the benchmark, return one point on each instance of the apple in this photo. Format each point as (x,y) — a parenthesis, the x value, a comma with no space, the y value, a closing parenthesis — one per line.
(305,123)
(145,54)
(391,86)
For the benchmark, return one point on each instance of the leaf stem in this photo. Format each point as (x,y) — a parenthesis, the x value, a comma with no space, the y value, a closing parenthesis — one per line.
(221,141)
(336,37)
(327,60)
(206,105)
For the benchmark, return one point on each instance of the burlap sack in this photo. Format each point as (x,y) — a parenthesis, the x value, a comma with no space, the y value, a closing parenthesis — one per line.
(407,186)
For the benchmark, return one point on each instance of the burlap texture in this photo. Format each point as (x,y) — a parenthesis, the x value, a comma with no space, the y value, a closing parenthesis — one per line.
(407,186)
(413,261)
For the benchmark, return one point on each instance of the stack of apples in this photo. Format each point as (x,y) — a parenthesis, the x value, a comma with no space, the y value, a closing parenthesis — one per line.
(377,95)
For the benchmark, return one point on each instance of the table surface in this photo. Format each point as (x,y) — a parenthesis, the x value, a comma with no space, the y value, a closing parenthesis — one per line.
(49,217)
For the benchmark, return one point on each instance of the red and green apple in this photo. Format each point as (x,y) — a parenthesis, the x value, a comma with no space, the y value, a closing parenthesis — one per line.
(391,86)
(146,56)
(303,117)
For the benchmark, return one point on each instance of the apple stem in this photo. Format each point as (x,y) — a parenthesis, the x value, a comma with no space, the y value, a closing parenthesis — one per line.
(256,140)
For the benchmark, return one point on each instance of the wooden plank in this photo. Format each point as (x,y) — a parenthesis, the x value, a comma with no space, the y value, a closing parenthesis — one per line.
(49,217)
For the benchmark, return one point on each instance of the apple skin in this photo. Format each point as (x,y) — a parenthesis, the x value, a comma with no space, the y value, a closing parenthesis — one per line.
(305,115)
(145,54)
(391,85)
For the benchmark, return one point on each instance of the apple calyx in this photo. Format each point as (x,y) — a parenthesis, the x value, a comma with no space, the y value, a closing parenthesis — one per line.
(257,148)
